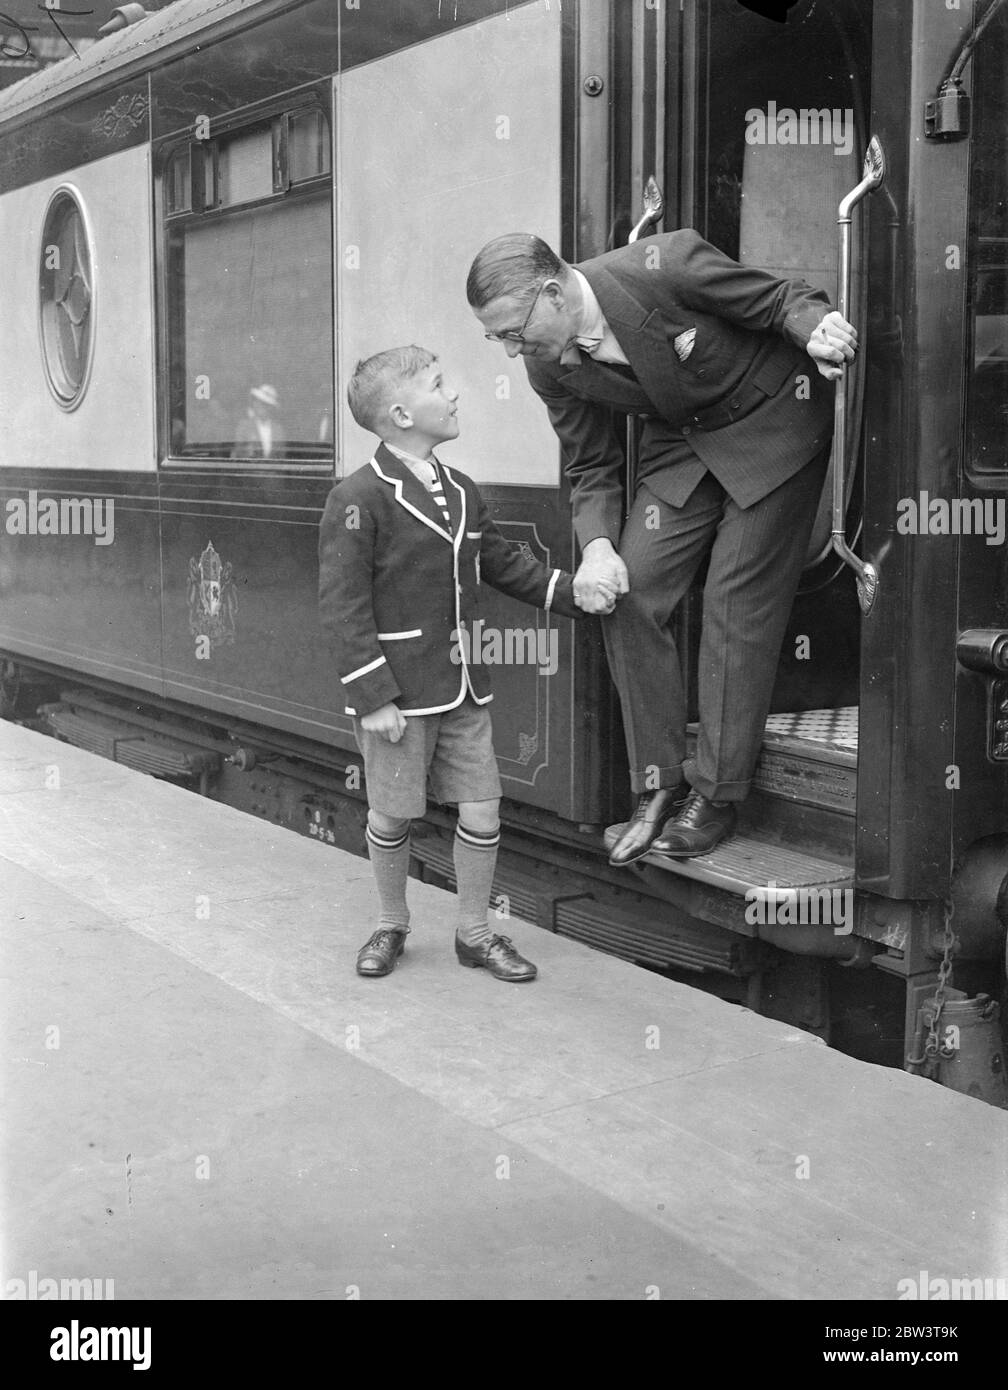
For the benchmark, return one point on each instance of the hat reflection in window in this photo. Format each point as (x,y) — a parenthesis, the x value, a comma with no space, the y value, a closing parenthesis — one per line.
(259,434)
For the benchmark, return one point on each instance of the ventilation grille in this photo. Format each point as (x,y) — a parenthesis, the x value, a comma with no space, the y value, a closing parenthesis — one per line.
(154,756)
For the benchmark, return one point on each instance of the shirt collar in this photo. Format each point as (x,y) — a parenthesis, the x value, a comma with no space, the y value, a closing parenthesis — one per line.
(592,326)
(425,469)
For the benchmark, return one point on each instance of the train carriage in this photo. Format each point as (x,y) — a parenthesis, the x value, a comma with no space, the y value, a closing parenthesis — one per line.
(208,216)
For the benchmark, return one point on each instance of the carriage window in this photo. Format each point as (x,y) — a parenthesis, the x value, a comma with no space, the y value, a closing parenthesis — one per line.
(988,256)
(178,182)
(244,168)
(309,146)
(249,295)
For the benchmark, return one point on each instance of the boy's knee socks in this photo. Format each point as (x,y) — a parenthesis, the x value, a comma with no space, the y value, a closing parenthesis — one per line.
(390,856)
(475,856)
(475,859)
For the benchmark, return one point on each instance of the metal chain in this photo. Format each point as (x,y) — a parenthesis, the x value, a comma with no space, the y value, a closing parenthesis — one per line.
(933,1048)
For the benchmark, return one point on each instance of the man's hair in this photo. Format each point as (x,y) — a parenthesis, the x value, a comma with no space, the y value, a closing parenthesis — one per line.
(377,379)
(516,264)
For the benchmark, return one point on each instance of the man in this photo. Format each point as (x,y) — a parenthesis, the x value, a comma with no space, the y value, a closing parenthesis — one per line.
(714,357)
(260,435)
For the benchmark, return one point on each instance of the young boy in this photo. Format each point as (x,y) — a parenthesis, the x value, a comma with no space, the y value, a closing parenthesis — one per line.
(403,546)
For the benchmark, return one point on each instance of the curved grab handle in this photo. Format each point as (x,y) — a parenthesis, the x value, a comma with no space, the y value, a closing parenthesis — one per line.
(867,575)
(654,209)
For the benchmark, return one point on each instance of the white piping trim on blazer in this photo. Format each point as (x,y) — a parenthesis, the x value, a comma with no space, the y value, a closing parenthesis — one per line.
(397,484)
(466,682)
(363,670)
(439,709)
(399,636)
(549,591)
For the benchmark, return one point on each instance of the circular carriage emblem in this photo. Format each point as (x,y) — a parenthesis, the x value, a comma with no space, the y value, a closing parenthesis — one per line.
(66,297)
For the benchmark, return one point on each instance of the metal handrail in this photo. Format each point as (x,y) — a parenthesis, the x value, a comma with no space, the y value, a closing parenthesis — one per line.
(867,575)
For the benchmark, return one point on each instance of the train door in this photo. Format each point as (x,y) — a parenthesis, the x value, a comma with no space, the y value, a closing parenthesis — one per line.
(756,131)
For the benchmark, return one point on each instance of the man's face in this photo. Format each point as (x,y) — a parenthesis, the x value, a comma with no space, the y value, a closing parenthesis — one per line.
(550,322)
(431,404)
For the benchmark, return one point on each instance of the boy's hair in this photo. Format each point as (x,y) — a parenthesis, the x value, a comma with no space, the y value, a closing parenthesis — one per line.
(377,379)
(516,264)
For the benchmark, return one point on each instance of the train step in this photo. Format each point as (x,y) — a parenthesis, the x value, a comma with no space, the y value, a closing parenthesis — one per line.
(809,757)
(804,789)
(745,862)
(804,792)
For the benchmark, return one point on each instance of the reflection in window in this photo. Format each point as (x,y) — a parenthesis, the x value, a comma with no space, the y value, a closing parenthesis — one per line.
(988,258)
(254,300)
(66,299)
(250,321)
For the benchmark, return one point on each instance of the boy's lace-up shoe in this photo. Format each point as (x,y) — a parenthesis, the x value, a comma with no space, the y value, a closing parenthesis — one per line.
(499,957)
(380,952)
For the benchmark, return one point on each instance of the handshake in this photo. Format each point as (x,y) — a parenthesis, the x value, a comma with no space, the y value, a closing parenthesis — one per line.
(601,578)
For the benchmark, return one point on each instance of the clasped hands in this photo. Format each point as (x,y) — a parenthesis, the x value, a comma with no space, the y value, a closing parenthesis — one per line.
(601,578)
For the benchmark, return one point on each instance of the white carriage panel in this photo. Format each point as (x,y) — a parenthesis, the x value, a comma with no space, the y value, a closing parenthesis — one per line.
(113,425)
(440,148)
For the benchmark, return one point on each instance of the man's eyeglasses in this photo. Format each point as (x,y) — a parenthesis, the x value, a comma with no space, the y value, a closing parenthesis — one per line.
(511,335)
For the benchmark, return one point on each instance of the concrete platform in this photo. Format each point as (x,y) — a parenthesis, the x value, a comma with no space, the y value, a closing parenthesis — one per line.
(228,1111)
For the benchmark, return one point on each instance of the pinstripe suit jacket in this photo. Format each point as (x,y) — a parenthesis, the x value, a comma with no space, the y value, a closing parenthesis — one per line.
(764,410)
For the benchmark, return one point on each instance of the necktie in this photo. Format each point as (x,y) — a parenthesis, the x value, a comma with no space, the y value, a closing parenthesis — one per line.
(436,490)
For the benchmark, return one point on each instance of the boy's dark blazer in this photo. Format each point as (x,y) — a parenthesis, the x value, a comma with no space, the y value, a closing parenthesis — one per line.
(747,402)
(396,584)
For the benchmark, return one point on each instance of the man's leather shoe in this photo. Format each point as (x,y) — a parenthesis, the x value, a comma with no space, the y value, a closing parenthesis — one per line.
(380,952)
(647,822)
(499,957)
(699,826)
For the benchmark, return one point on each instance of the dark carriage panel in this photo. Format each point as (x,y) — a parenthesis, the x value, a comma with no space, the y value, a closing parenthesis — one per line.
(533,711)
(73,602)
(240,580)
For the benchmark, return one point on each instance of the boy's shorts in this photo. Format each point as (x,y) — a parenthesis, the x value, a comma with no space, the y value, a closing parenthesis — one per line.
(453,749)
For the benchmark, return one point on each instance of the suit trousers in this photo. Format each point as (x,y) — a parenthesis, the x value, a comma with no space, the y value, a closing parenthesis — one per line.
(756,558)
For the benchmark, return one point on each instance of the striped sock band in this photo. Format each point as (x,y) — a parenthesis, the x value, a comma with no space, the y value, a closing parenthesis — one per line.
(478,839)
(475,858)
(383,841)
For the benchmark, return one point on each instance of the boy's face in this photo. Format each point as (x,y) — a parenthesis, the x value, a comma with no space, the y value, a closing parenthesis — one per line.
(430,405)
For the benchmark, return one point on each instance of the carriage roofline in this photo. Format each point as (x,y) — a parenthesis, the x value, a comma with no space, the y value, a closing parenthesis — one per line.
(127,53)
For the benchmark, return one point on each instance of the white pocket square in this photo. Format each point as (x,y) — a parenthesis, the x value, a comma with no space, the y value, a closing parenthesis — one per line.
(683,343)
